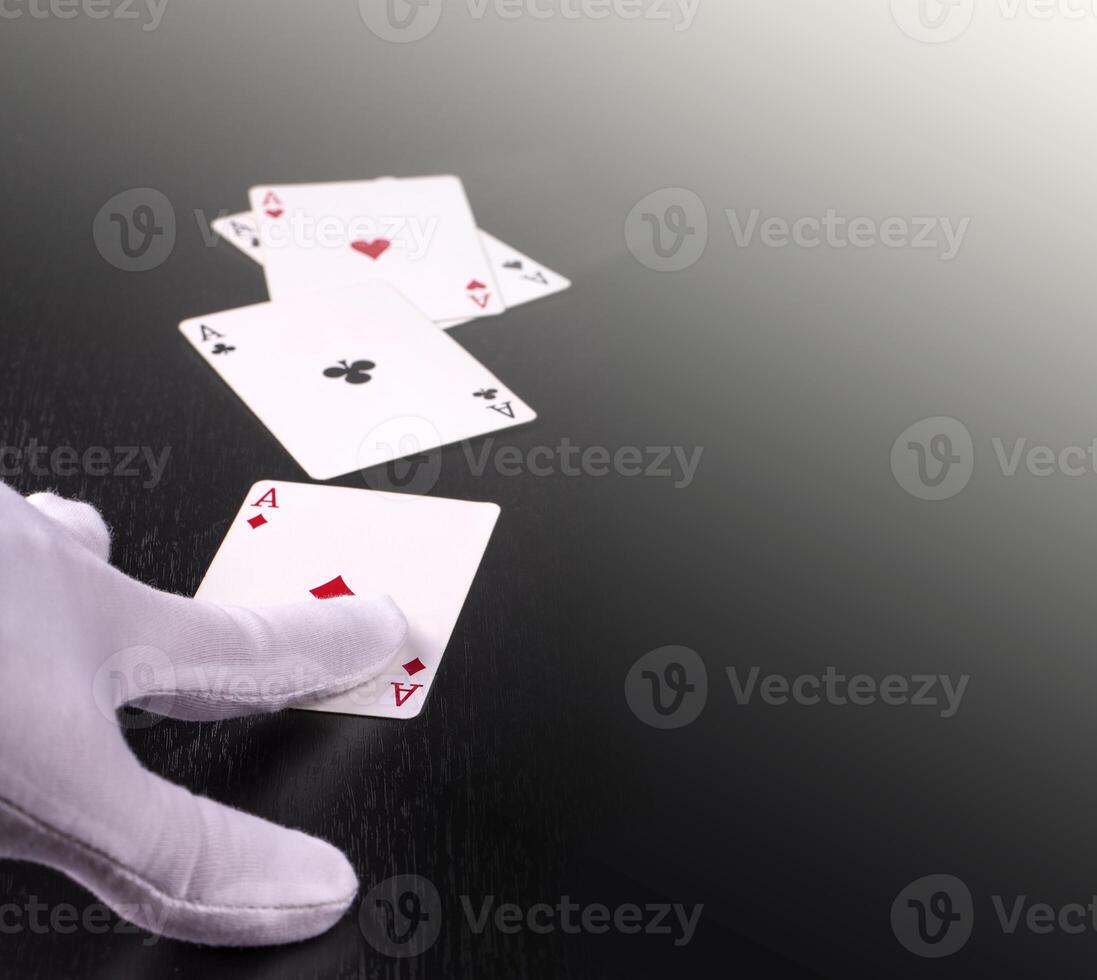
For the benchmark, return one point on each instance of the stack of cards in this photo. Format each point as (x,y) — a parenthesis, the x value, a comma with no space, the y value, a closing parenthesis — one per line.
(349,367)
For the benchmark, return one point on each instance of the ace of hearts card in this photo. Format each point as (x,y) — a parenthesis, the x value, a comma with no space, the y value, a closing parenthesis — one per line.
(416,233)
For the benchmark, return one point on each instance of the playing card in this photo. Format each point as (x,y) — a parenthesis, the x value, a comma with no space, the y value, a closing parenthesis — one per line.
(242,231)
(520,279)
(291,541)
(418,234)
(353,378)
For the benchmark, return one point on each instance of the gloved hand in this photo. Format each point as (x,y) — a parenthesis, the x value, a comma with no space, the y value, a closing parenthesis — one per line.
(78,639)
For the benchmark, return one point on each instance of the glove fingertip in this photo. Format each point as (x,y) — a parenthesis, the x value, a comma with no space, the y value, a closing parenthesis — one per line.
(80,519)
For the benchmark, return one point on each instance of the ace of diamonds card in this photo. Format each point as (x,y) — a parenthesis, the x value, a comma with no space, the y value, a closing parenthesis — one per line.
(293,541)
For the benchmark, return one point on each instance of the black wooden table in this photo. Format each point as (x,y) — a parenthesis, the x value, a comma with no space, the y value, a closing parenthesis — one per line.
(792,547)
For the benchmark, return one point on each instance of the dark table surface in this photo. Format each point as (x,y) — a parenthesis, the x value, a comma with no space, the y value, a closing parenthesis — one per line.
(793,548)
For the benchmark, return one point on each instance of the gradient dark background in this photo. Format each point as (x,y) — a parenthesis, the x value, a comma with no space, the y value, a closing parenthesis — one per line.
(795,548)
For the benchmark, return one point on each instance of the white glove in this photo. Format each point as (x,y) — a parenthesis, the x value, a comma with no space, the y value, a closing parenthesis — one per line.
(77,640)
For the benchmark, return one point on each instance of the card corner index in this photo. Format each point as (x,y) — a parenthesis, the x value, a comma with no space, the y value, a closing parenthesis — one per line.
(262,484)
